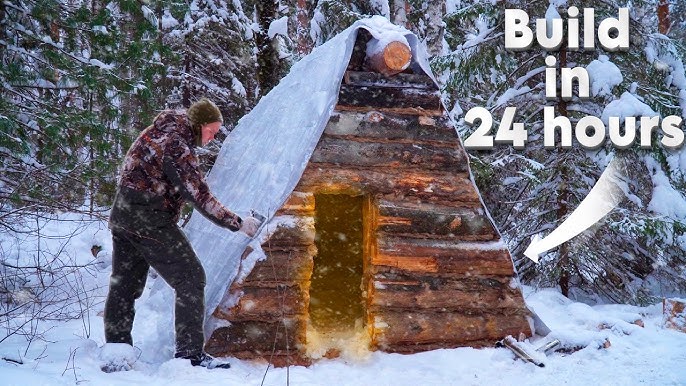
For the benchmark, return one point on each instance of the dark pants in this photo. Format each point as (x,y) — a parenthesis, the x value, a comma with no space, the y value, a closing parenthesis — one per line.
(166,249)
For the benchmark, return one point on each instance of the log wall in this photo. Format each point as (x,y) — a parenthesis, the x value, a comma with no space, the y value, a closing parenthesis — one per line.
(270,320)
(436,274)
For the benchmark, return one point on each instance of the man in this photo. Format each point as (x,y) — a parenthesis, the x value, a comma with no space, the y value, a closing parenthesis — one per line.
(159,174)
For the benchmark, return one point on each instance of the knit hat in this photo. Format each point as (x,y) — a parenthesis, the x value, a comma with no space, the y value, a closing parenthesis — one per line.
(202,112)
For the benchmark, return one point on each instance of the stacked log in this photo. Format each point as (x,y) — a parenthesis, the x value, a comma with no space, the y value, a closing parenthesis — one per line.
(436,274)
(361,93)
(270,319)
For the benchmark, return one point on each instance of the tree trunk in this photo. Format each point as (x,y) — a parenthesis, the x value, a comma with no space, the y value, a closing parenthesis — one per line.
(3,30)
(268,73)
(185,82)
(399,12)
(304,45)
(435,27)
(663,17)
(563,195)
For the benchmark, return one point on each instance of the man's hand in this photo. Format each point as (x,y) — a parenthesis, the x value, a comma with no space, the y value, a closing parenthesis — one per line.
(250,226)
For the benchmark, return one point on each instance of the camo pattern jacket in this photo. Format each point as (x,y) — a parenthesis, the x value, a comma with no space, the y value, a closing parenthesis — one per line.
(162,163)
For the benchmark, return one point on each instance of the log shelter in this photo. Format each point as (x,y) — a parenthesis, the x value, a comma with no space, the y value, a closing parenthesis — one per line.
(425,265)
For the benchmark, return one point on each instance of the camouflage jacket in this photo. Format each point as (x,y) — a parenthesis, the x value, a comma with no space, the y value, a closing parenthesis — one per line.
(161,172)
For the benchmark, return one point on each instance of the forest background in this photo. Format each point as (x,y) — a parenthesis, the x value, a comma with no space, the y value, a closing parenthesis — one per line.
(81,79)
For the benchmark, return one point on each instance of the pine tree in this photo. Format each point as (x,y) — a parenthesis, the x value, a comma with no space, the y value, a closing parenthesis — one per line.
(270,66)
(66,73)
(424,18)
(214,42)
(531,191)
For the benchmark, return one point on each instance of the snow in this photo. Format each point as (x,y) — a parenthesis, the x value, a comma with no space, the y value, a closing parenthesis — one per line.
(149,15)
(384,33)
(488,246)
(97,63)
(626,106)
(315,28)
(604,75)
(452,6)
(238,87)
(382,7)
(456,111)
(101,29)
(168,21)
(676,160)
(278,27)
(73,351)
(118,356)
(666,200)
(669,62)
(511,93)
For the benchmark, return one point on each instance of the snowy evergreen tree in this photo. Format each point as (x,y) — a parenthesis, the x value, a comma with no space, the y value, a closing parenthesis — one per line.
(270,64)
(80,80)
(68,70)
(214,40)
(424,18)
(532,190)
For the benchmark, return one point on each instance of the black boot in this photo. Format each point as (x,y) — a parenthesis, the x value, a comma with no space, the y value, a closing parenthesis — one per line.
(205,360)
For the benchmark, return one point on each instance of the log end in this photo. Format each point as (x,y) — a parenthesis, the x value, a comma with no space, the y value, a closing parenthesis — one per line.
(388,58)
(397,56)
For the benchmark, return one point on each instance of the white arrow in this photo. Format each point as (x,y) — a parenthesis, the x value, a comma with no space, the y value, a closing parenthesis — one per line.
(602,198)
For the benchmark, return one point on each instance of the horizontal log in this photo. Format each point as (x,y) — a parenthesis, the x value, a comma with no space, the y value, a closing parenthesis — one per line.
(268,304)
(424,295)
(349,152)
(293,232)
(388,58)
(380,126)
(277,358)
(389,97)
(393,329)
(412,348)
(455,282)
(258,337)
(283,266)
(398,184)
(418,111)
(368,78)
(298,204)
(434,257)
(435,221)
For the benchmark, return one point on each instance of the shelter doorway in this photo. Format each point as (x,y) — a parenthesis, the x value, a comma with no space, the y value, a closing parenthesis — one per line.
(336,310)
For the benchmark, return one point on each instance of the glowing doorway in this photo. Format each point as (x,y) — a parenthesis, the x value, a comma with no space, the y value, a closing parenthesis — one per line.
(336,291)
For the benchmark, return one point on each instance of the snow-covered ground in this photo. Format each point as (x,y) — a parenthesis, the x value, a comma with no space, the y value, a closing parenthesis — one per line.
(68,352)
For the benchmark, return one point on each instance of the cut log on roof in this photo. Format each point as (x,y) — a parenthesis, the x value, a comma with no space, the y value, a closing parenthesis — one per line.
(388,58)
